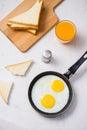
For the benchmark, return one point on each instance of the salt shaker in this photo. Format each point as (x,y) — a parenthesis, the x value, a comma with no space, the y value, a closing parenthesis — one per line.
(46,56)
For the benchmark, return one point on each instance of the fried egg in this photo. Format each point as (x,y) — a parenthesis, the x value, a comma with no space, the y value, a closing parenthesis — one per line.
(50,94)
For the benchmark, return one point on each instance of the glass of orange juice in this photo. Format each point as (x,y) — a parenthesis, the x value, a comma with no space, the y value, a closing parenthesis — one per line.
(65,31)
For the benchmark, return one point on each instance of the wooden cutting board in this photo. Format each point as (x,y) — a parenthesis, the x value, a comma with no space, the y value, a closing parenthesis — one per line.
(24,40)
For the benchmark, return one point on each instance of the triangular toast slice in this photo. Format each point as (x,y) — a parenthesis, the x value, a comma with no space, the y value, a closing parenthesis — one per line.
(20,68)
(5,88)
(32,31)
(30,17)
(21,27)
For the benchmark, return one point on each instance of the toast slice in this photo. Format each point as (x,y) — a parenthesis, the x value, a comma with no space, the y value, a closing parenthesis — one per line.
(5,88)
(23,28)
(20,27)
(20,68)
(30,17)
(32,31)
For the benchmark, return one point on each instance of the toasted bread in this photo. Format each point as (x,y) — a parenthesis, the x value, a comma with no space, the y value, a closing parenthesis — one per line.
(30,17)
(5,88)
(20,68)
(22,26)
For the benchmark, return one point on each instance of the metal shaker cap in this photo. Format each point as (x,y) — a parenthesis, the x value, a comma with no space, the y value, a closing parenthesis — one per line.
(46,56)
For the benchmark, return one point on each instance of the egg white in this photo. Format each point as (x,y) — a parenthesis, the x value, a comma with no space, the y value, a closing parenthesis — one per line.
(43,87)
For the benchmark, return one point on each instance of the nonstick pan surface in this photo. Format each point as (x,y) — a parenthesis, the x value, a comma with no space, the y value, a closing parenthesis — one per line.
(45,74)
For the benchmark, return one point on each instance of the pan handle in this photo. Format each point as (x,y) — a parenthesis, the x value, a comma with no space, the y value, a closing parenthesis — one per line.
(75,66)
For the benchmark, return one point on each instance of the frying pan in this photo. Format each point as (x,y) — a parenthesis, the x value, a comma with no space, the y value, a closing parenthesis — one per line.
(65,77)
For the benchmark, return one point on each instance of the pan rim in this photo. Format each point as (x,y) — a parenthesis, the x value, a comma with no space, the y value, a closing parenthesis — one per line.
(47,114)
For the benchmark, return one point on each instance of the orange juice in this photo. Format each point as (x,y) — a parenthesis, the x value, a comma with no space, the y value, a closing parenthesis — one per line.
(65,31)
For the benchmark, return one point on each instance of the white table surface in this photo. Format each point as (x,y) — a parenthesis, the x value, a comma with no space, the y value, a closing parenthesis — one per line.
(19,110)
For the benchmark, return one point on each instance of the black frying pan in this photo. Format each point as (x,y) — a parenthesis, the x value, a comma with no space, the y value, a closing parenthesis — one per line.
(64,77)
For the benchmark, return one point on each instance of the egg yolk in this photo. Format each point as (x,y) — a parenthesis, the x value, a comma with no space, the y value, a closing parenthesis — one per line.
(57,85)
(48,101)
